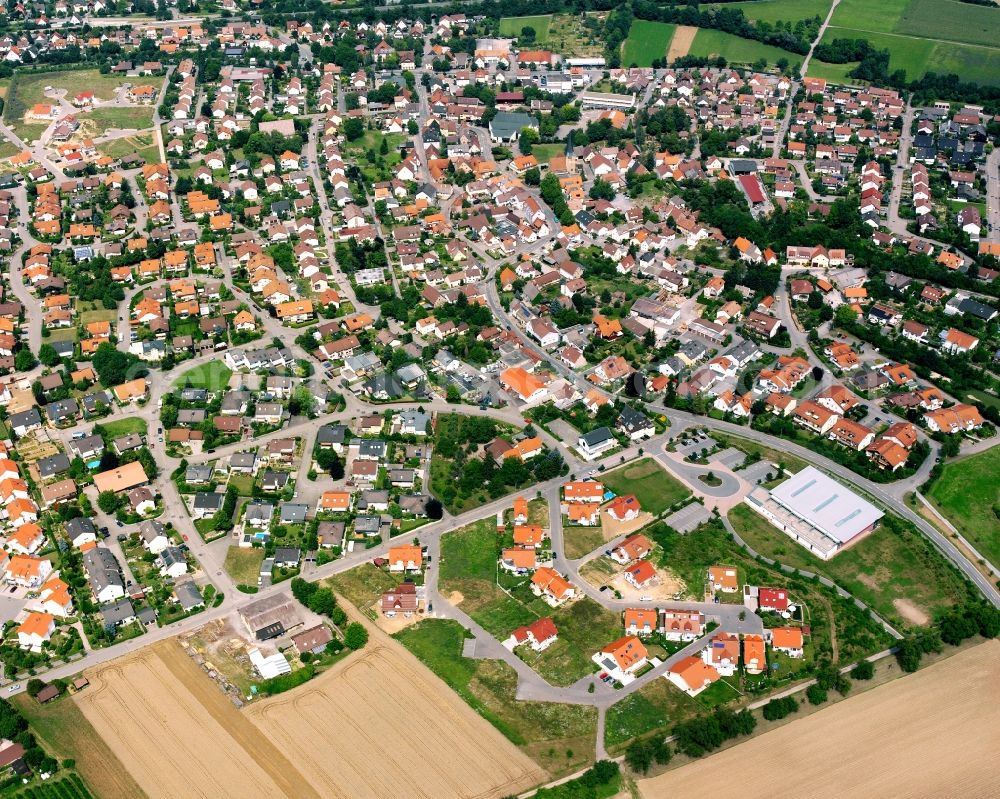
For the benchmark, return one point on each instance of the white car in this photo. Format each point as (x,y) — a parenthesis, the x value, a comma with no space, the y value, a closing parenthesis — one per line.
(14,687)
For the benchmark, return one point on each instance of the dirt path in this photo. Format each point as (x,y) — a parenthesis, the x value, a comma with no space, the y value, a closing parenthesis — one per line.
(681,43)
(933,733)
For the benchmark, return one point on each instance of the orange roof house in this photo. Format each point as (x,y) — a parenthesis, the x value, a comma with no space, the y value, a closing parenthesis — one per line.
(121,478)
(624,656)
(692,675)
(787,639)
(520,510)
(583,491)
(523,383)
(553,586)
(641,621)
(723,578)
(754,657)
(406,557)
(335,501)
(525,449)
(531,535)
(131,391)
(518,558)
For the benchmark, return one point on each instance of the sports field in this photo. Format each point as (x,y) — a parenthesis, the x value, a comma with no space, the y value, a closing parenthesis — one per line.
(933,733)
(646,41)
(942,36)
(968,495)
(511,26)
(737,50)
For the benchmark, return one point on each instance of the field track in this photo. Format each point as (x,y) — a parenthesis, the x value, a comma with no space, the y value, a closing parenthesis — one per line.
(933,733)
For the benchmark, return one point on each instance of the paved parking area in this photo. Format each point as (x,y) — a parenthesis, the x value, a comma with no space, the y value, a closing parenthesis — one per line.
(730,457)
(696,445)
(564,431)
(689,517)
(758,472)
(10,604)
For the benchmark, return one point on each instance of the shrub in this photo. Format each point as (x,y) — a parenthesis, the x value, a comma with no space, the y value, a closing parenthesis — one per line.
(815,694)
(779,708)
(864,670)
(355,636)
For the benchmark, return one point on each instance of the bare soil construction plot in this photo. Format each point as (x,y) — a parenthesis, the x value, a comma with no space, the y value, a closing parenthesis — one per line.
(382,725)
(681,42)
(612,528)
(933,733)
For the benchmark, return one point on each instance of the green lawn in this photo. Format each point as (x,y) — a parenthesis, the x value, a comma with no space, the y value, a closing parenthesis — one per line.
(126,145)
(647,41)
(943,36)
(511,26)
(470,553)
(584,627)
(28,88)
(709,42)
(468,566)
(653,487)
(835,73)
(243,483)
(243,565)
(866,16)
(545,731)
(364,584)
(656,707)
(8,149)
(545,152)
(772,11)
(99,315)
(122,427)
(213,376)
(123,118)
(950,20)
(581,540)
(67,734)
(968,495)
(894,564)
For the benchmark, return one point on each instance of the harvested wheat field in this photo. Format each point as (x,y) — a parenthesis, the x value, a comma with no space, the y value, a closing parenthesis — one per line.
(933,733)
(383,725)
(178,735)
(681,42)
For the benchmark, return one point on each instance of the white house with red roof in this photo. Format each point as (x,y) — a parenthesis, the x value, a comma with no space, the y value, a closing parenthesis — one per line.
(539,635)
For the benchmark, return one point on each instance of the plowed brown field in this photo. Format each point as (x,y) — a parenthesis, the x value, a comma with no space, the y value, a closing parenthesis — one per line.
(933,733)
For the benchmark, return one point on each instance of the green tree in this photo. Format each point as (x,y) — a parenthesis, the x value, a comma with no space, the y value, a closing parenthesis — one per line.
(24,361)
(908,654)
(864,670)
(47,355)
(355,636)
(815,694)
(354,128)
(108,502)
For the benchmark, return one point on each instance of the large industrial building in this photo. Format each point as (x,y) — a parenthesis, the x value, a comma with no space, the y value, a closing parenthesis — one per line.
(817,511)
